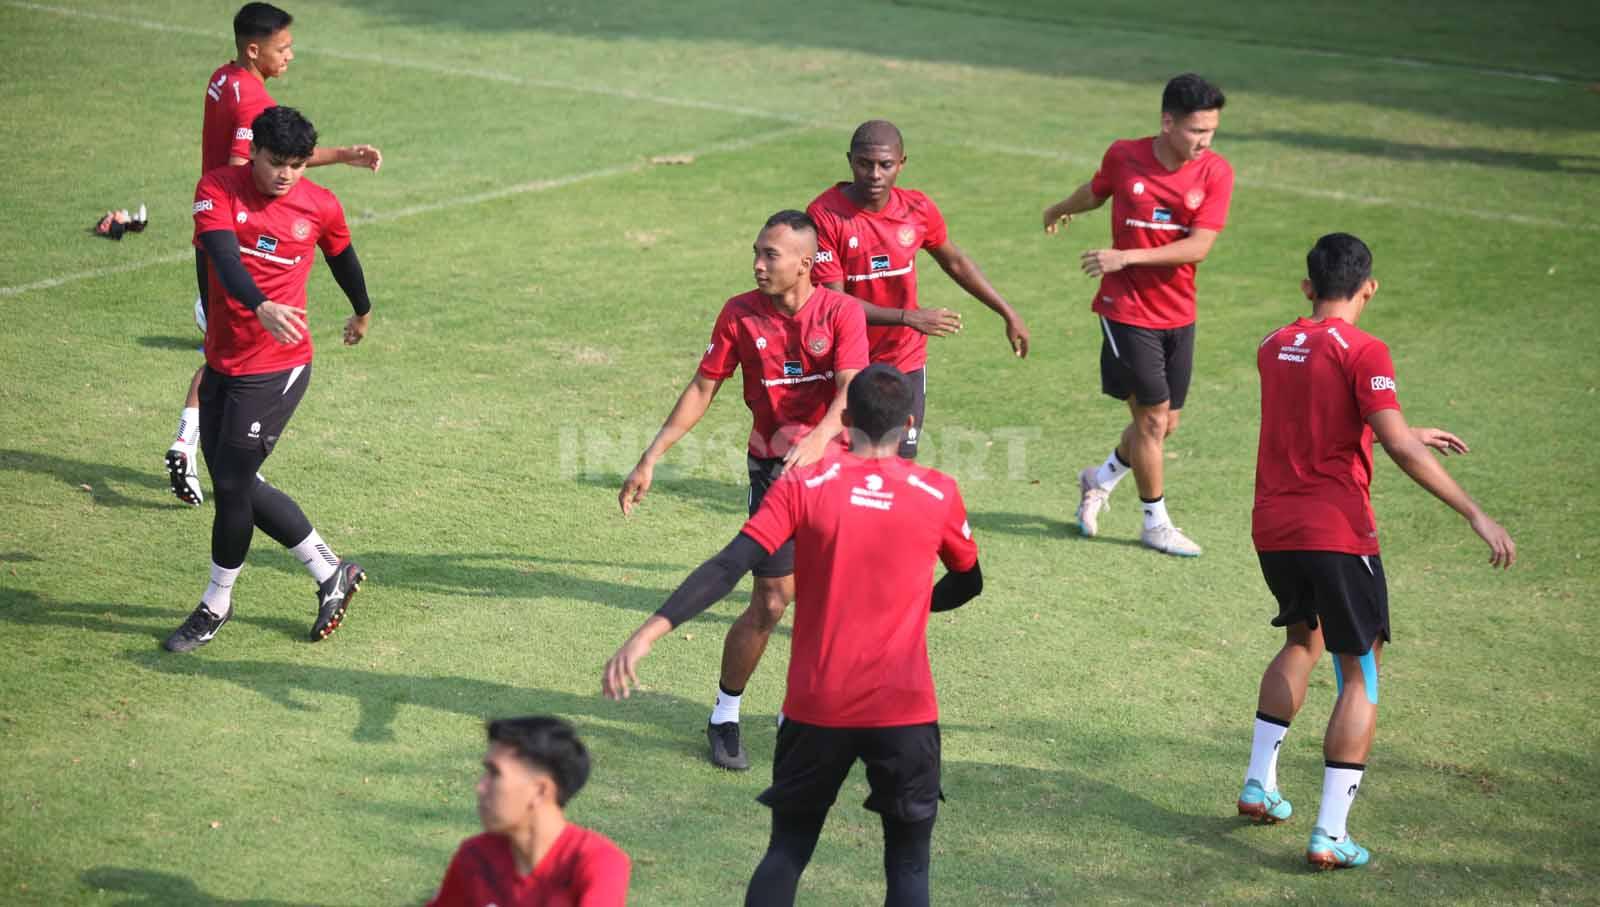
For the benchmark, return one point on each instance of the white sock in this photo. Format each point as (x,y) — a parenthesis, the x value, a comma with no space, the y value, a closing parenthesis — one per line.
(727,707)
(1111,471)
(1264,752)
(188,427)
(317,556)
(1155,513)
(219,592)
(1340,781)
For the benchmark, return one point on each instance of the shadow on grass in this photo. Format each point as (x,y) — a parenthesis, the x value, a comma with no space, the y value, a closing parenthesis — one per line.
(711,494)
(170,342)
(29,609)
(1574,164)
(98,476)
(1041,526)
(147,886)
(381,695)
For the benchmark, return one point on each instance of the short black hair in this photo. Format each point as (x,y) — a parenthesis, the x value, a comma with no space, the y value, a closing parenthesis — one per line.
(877,134)
(255,21)
(1338,266)
(283,131)
(879,400)
(549,745)
(1190,92)
(798,221)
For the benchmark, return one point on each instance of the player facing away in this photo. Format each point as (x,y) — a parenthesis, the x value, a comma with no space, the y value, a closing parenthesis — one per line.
(1169,199)
(865,525)
(529,855)
(235,94)
(869,232)
(260,225)
(1327,388)
(798,345)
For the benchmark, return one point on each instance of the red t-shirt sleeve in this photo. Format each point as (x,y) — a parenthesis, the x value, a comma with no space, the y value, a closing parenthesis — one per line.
(601,879)
(828,267)
(1372,379)
(722,354)
(1213,212)
(335,236)
(850,337)
(935,233)
(212,210)
(775,522)
(1103,183)
(957,550)
(453,890)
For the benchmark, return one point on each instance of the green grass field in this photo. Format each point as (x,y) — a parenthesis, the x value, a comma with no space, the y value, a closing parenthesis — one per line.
(542,291)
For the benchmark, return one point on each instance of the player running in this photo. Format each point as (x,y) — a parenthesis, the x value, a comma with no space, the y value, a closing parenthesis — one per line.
(529,854)
(235,94)
(1170,195)
(869,232)
(798,345)
(259,225)
(865,525)
(1327,388)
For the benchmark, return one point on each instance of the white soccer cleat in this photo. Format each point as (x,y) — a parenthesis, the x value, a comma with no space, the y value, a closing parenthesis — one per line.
(1094,499)
(183,475)
(1169,539)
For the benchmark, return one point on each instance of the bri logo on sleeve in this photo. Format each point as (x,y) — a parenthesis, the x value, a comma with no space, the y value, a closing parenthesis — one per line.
(1382,383)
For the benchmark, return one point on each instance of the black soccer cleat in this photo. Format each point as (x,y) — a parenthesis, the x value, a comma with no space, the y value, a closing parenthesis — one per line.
(726,750)
(196,631)
(182,474)
(333,598)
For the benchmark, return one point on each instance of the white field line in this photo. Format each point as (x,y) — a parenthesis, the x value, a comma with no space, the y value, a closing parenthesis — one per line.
(478,198)
(1337,195)
(801,124)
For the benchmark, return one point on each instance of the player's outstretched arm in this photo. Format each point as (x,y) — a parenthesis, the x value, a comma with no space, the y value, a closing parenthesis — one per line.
(355,155)
(1190,250)
(814,445)
(1060,214)
(346,268)
(686,413)
(708,584)
(1409,450)
(966,273)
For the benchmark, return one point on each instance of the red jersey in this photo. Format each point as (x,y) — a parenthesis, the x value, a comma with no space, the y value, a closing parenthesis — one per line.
(583,869)
(1320,381)
(789,361)
(234,98)
(874,254)
(1152,206)
(866,533)
(277,240)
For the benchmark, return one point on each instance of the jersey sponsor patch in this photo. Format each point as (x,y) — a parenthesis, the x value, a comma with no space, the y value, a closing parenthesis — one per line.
(202,205)
(1382,383)
(1161,216)
(880,263)
(243,134)
(265,243)
(793,369)
(823,256)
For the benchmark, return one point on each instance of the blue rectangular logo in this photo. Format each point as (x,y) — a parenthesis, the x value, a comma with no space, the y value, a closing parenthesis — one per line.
(1162,216)
(266,244)
(880,263)
(792,369)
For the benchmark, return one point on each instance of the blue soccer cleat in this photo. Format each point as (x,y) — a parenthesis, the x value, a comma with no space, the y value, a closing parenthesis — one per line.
(1325,853)
(1265,806)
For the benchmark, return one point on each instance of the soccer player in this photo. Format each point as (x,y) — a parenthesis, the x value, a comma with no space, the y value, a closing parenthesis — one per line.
(235,94)
(1327,388)
(260,225)
(869,233)
(865,525)
(1170,195)
(529,855)
(798,345)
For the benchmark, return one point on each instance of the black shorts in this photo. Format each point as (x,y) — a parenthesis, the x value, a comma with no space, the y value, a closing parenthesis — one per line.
(1346,593)
(812,762)
(919,403)
(248,411)
(1152,366)
(763,472)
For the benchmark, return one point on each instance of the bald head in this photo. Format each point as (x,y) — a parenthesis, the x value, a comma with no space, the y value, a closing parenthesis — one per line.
(876,134)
